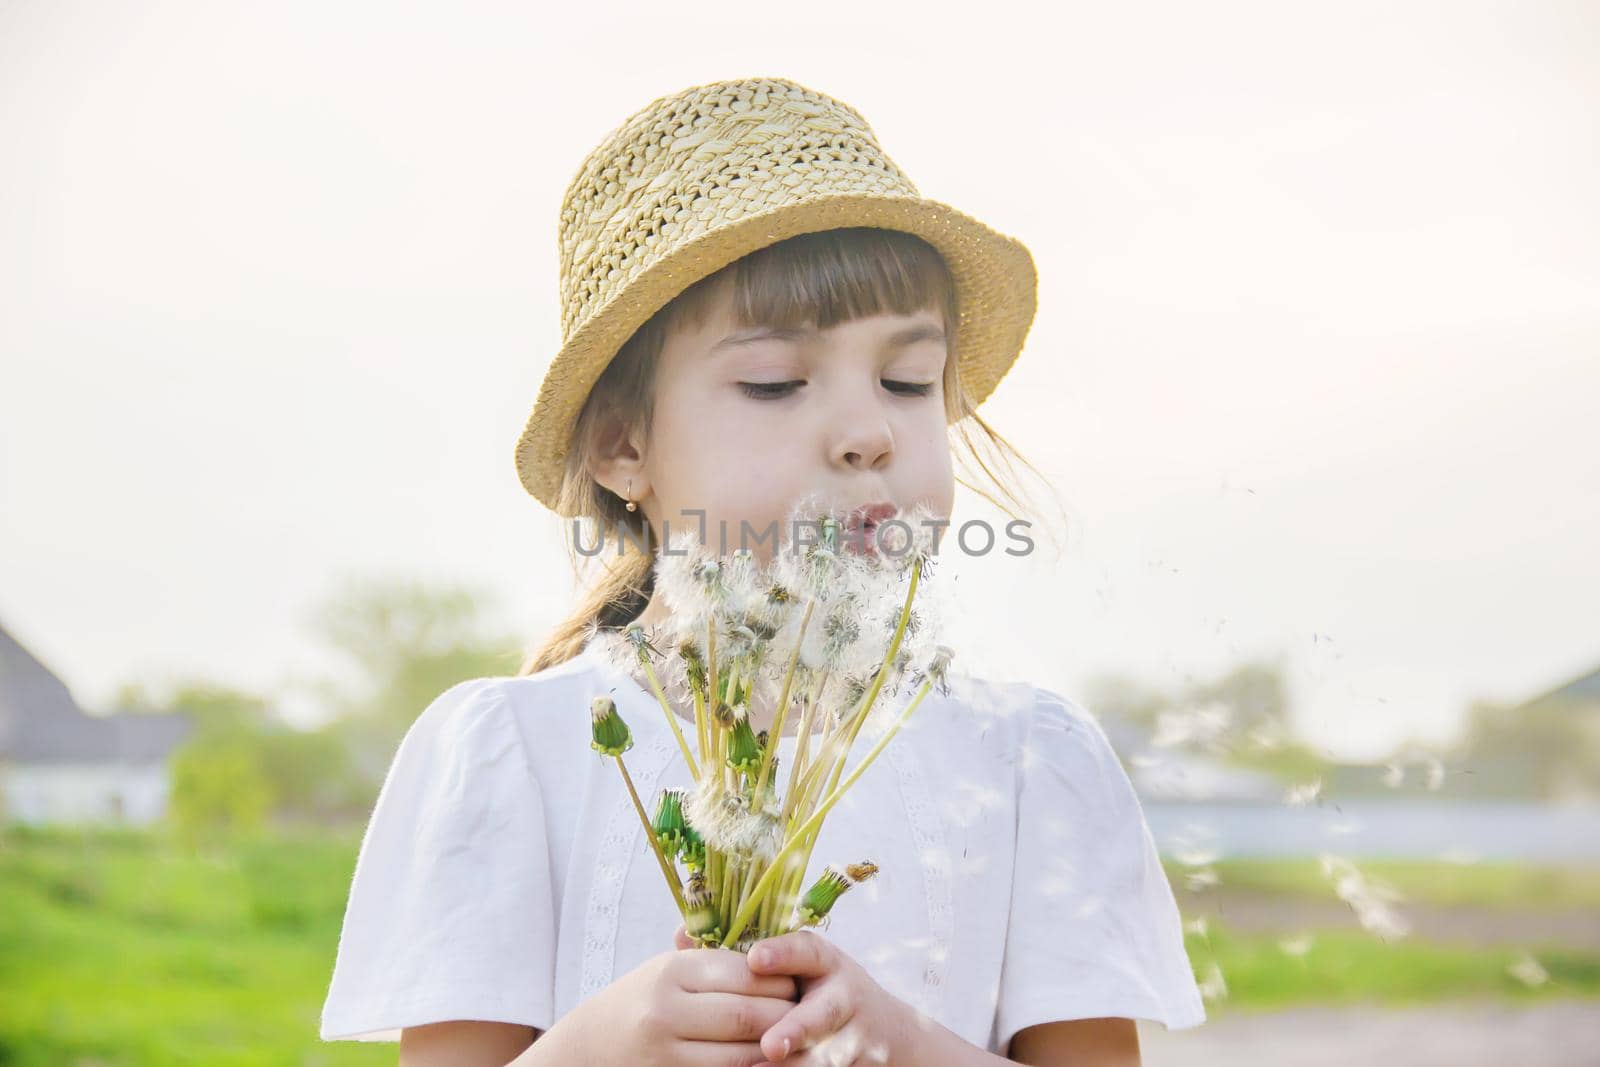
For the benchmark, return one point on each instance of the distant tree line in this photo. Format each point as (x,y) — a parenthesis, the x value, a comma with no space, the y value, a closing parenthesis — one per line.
(243,766)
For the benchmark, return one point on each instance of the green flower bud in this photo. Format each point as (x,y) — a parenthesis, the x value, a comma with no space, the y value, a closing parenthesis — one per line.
(818,901)
(668,823)
(744,752)
(611,734)
(694,849)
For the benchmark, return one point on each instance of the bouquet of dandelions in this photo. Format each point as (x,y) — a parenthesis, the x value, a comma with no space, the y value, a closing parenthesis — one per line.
(820,632)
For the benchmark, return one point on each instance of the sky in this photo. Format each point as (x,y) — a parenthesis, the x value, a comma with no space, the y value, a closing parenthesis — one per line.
(1313,373)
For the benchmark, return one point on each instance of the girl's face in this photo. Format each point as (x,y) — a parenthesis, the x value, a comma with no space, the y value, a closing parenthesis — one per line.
(748,421)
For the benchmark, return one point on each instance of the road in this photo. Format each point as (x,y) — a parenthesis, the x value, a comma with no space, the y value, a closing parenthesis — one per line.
(1547,1033)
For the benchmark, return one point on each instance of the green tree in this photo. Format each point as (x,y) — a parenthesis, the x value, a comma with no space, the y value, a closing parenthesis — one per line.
(404,642)
(408,641)
(218,789)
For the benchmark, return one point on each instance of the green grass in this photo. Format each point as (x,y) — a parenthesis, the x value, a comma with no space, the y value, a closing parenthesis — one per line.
(124,948)
(1503,885)
(1350,967)
(129,949)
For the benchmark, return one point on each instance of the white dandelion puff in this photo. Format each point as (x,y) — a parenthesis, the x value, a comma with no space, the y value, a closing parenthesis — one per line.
(1300,795)
(1212,985)
(1528,971)
(1296,946)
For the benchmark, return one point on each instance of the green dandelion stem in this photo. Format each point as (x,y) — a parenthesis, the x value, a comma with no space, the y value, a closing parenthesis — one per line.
(764,916)
(713,873)
(783,709)
(729,880)
(700,724)
(672,719)
(667,869)
(749,880)
(802,748)
(815,822)
(883,672)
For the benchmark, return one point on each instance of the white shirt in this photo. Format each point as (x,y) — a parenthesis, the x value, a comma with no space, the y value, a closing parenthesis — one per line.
(505,876)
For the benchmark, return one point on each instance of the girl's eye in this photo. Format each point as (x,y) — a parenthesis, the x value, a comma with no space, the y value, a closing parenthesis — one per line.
(775,390)
(767,390)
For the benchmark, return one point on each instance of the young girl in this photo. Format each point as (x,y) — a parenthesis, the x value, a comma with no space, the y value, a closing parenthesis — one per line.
(757,306)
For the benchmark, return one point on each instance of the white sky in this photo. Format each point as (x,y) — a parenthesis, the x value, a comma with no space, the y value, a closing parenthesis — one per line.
(1318,347)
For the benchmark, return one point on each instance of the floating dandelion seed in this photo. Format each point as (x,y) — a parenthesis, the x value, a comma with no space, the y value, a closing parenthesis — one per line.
(1435,775)
(1262,741)
(1300,795)
(1528,971)
(1205,725)
(1296,946)
(1368,898)
(1197,857)
(1213,986)
(1460,856)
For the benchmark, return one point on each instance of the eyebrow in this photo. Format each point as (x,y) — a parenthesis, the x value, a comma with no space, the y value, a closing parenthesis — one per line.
(901,338)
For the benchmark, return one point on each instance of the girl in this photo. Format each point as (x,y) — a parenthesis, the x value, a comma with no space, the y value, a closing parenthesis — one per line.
(757,306)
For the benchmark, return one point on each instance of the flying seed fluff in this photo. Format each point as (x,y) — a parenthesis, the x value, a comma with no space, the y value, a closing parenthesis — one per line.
(819,279)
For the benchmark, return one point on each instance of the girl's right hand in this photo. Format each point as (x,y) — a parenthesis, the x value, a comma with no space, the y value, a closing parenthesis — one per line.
(683,1008)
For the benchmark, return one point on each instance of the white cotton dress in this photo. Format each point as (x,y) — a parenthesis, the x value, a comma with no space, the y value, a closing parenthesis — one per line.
(504,874)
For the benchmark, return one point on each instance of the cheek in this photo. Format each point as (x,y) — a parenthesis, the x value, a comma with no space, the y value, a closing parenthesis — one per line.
(720,459)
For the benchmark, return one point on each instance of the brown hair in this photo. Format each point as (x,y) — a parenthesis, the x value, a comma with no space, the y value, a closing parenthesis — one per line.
(815,279)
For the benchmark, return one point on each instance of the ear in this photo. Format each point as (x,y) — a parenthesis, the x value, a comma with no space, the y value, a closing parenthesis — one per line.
(618,459)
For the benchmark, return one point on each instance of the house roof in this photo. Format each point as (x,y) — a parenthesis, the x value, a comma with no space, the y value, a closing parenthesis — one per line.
(1584,689)
(40,722)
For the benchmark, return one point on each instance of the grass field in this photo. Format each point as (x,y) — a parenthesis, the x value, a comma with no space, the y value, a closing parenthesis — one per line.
(127,948)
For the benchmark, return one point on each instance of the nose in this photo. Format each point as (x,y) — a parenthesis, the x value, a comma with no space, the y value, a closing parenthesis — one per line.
(862,437)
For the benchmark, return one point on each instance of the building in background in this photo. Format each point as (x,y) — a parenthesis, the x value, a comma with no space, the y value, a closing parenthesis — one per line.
(59,764)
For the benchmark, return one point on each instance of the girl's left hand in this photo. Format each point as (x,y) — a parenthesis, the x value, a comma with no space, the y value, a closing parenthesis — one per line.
(843,1016)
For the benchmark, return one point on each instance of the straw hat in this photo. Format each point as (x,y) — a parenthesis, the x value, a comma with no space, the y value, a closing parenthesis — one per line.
(705,176)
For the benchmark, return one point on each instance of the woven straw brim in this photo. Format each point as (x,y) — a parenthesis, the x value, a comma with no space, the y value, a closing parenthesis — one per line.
(994,275)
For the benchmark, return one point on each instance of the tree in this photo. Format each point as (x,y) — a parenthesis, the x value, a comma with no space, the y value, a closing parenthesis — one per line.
(384,627)
(407,642)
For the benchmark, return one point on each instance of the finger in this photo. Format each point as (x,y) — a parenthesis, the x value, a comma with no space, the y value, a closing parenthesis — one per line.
(822,1013)
(725,971)
(727,1016)
(844,1046)
(681,938)
(720,1054)
(803,953)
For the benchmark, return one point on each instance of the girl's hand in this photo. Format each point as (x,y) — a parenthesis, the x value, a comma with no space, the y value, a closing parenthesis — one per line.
(677,1009)
(844,1016)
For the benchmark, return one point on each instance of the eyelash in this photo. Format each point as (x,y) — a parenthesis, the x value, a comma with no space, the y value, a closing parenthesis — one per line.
(779,390)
